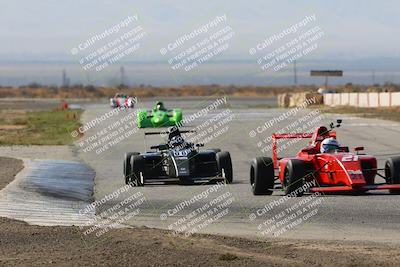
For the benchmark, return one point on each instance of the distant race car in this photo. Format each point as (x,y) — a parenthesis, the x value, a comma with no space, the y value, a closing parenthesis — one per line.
(338,171)
(159,116)
(122,100)
(177,160)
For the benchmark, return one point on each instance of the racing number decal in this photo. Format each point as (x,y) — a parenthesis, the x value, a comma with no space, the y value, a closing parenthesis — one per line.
(182,153)
(350,158)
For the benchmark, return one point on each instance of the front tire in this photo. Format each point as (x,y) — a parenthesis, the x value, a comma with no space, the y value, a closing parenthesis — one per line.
(295,172)
(127,166)
(392,173)
(177,116)
(224,164)
(137,170)
(262,176)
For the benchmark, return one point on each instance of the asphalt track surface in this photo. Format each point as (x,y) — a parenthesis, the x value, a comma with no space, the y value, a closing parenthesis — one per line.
(374,216)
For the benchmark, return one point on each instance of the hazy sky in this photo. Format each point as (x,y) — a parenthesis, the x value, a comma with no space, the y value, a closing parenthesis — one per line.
(49,28)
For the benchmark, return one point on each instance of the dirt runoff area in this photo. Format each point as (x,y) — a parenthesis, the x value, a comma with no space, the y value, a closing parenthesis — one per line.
(9,168)
(27,245)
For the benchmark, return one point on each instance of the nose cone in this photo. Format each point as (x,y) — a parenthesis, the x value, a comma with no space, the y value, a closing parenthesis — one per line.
(160,118)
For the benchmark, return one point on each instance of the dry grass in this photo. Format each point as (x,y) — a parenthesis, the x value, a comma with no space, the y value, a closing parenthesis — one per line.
(79,91)
(38,127)
(142,92)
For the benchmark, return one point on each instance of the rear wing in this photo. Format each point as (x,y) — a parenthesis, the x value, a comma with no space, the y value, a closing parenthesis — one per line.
(167,132)
(155,133)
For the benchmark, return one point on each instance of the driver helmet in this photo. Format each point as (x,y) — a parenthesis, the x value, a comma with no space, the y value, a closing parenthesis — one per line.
(160,105)
(329,145)
(173,131)
(176,141)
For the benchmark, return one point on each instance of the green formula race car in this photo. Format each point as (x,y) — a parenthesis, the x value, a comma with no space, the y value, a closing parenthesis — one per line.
(159,116)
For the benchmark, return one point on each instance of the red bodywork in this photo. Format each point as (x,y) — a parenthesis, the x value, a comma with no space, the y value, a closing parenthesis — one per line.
(333,172)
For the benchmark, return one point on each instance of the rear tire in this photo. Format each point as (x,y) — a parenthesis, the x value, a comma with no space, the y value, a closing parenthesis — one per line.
(262,176)
(127,166)
(392,173)
(177,116)
(142,118)
(295,172)
(224,164)
(137,170)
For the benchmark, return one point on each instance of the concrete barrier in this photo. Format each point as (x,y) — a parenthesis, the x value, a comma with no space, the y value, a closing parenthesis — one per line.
(337,99)
(395,99)
(328,99)
(384,99)
(345,99)
(353,99)
(365,100)
(373,100)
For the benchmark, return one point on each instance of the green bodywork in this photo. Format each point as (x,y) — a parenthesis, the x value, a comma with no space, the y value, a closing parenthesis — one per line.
(159,117)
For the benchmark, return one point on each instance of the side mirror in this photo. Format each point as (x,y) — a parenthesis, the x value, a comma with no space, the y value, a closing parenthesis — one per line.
(338,122)
(358,148)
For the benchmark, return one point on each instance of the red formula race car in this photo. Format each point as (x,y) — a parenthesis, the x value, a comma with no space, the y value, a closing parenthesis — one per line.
(122,100)
(314,171)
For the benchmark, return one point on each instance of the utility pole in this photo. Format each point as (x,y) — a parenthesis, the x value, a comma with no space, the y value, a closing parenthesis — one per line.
(65,79)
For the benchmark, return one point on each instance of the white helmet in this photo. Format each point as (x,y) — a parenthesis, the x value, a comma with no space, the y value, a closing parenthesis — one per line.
(329,145)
